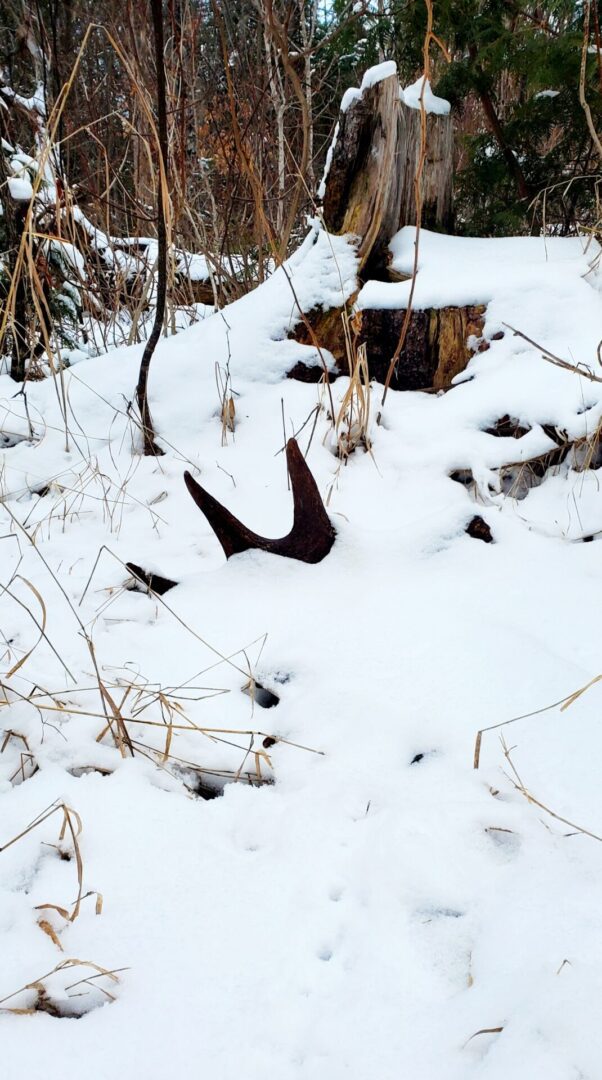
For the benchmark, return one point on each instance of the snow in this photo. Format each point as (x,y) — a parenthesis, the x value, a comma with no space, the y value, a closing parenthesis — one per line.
(415,98)
(34,104)
(68,253)
(353,93)
(372,76)
(376,74)
(464,270)
(547,94)
(20,189)
(383,908)
(331,148)
(194,266)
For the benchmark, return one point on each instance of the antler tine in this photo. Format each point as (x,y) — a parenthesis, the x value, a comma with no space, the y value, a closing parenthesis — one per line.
(311,536)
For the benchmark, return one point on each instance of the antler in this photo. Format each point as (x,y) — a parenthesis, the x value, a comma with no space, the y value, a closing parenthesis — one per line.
(311,536)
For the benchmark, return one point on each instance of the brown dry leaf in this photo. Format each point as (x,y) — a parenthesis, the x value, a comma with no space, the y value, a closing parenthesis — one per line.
(48,929)
(53,907)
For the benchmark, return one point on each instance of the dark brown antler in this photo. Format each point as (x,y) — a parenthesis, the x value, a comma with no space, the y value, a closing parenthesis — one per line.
(311,536)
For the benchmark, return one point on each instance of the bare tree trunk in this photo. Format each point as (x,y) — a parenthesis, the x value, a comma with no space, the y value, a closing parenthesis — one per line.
(15,214)
(307,38)
(278,97)
(142,388)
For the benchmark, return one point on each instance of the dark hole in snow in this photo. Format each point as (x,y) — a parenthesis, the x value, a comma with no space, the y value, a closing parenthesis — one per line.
(87,770)
(507,427)
(555,434)
(208,785)
(421,756)
(10,439)
(518,478)
(146,580)
(462,476)
(72,1006)
(269,741)
(260,695)
(204,790)
(479,530)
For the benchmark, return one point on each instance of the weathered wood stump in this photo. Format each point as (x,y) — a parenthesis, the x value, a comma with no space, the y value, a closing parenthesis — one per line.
(370,192)
(436,347)
(370,188)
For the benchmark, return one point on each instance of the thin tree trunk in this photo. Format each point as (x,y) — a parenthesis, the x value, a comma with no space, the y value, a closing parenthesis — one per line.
(493,122)
(142,388)
(14,220)
(496,129)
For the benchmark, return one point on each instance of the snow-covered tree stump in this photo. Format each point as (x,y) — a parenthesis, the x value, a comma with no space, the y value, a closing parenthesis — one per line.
(370,186)
(369,191)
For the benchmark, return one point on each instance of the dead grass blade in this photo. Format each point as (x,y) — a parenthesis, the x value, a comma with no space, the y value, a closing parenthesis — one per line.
(517,783)
(71,823)
(563,703)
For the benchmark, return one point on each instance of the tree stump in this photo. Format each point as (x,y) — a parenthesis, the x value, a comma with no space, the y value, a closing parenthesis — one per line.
(363,186)
(370,192)
(436,347)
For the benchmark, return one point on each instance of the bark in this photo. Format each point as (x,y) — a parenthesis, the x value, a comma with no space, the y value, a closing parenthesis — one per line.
(437,175)
(363,188)
(14,222)
(496,129)
(142,388)
(370,189)
(436,348)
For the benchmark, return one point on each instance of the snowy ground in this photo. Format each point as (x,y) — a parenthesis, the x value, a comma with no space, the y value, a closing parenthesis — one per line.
(383,909)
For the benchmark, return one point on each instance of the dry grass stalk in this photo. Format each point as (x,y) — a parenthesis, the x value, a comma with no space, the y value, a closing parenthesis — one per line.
(484,1031)
(517,783)
(72,825)
(557,361)
(26,758)
(44,1002)
(226,399)
(352,423)
(563,704)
